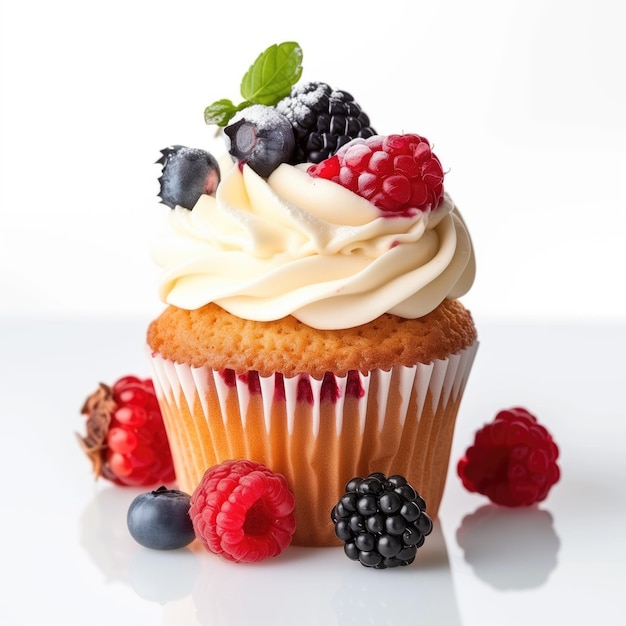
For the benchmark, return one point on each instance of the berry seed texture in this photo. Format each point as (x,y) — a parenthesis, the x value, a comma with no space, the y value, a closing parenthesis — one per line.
(243,511)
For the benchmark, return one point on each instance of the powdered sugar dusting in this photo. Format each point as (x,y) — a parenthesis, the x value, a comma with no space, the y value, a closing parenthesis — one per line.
(265,118)
(301,100)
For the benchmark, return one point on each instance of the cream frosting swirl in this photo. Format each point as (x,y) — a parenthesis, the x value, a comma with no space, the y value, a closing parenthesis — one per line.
(305,246)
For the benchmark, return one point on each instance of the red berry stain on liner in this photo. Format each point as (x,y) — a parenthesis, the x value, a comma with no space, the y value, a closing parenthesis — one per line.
(251,379)
(330,390)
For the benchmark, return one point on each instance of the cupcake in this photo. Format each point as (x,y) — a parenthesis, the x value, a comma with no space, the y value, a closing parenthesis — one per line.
(312,322)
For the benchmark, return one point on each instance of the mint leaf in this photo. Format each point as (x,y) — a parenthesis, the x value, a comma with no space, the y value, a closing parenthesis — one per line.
(268,80)
(221,111)
(271,77)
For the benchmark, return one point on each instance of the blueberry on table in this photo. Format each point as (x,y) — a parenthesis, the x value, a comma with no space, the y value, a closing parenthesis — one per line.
(160,519)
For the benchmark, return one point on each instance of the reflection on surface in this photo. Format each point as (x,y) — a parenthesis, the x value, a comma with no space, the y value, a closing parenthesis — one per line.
(289,589)
(321,586)
(303,585)
(104,534)
(163,575)
(157,576)
(422,593)
(510,548)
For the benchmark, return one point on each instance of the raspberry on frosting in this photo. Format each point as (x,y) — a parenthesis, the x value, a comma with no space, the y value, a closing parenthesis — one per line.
(397,173)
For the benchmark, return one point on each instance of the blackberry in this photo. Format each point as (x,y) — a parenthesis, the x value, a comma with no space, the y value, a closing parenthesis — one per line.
(323,120)
(382,521)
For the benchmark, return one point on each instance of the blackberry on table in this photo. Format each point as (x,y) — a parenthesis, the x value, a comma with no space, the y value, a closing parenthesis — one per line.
(323,120)
(382,521)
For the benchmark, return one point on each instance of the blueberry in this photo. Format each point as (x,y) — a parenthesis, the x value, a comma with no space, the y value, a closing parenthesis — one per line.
(187,174)
(160,519)
(261,137)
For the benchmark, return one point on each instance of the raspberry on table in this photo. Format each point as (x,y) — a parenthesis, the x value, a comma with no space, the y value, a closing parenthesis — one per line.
(243,511)
(382,521)
(126,439)
(397,173)
(512,460)
(323,120)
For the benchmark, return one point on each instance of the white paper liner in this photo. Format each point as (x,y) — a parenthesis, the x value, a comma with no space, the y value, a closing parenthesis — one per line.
(445,379)
(209,420)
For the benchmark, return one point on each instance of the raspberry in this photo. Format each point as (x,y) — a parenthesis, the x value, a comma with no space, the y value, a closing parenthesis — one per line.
(397,173)
(382,521)
(512,460)
(323,120)
(126,439)
(243,511)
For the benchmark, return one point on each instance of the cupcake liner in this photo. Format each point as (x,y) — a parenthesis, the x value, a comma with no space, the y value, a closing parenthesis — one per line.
(317,433)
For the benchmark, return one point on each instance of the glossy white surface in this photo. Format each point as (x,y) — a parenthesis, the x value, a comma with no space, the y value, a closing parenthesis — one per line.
(68,559)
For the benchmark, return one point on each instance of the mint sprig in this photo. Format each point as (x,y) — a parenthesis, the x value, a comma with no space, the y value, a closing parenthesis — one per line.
(221,112)
(268,80)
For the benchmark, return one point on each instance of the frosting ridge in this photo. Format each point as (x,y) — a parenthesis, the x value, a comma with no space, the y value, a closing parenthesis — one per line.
(295,244)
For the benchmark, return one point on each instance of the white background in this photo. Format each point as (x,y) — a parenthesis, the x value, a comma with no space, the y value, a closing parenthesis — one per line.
(523,100)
